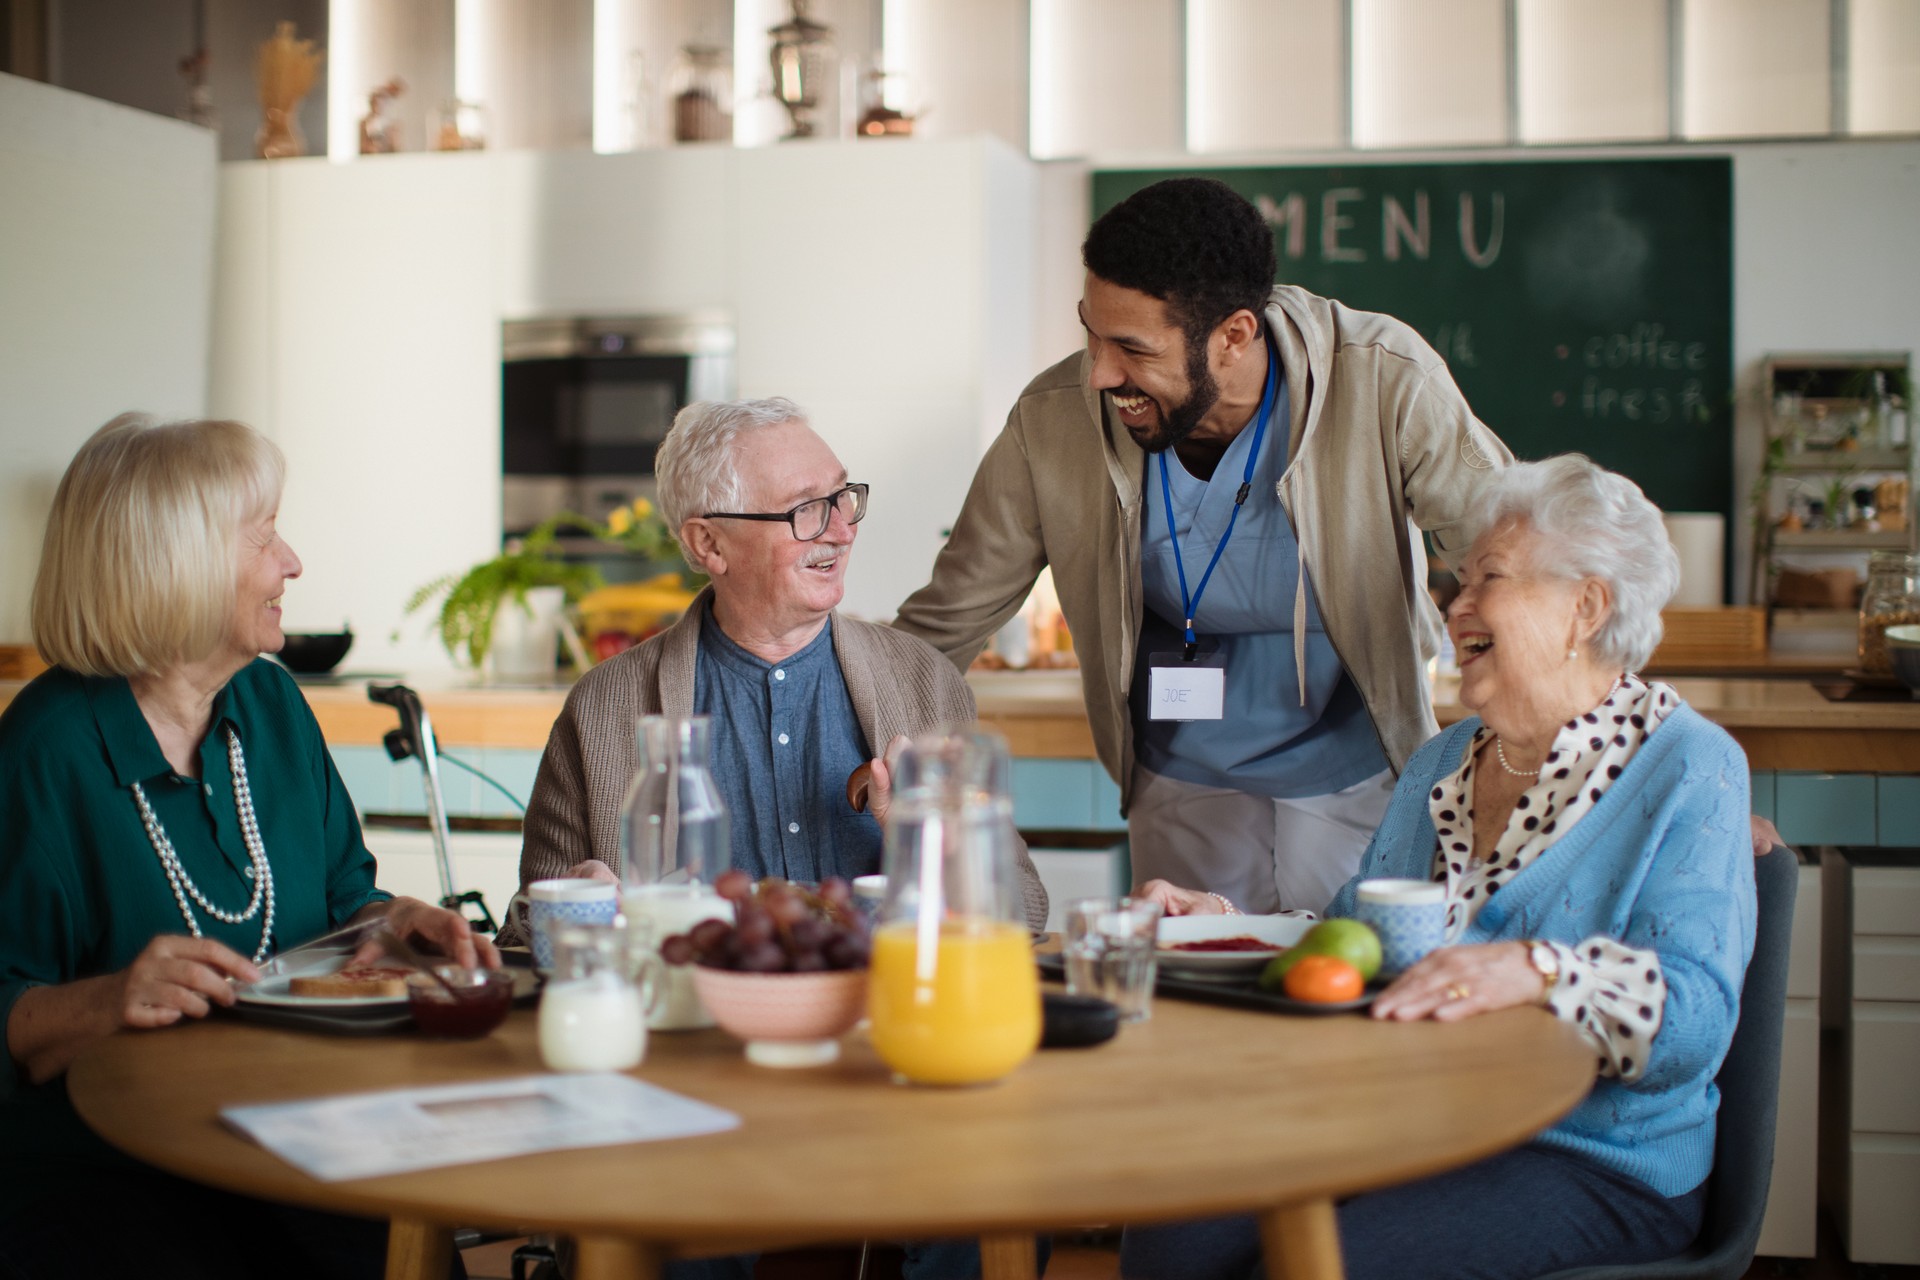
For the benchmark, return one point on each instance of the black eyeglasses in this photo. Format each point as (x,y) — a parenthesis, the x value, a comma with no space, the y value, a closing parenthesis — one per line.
(810,519)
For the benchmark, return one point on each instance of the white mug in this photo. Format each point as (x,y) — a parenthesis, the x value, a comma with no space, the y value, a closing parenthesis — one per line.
(566,901)
(1409,915)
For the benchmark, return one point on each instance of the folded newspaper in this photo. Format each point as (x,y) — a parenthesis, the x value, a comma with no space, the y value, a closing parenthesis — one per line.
(365,1135)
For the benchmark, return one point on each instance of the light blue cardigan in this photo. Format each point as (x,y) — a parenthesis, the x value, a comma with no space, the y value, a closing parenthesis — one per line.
(1664,862)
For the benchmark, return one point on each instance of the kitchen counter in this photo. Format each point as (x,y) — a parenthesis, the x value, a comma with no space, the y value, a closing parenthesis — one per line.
(1782,724)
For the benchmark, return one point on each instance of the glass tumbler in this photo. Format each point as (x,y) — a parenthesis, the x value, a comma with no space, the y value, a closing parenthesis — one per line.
(1110,952)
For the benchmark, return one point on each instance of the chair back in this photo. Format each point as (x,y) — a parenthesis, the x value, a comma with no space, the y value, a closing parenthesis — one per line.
(1749,1082)
(1749,1079)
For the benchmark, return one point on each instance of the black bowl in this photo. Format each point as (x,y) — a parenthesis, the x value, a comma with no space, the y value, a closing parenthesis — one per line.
(317,653)
(1906,665)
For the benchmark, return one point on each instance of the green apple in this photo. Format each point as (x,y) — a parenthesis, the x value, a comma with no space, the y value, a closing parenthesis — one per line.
(1348,940)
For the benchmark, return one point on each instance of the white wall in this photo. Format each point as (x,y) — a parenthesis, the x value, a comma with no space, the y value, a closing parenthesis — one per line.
(886,288)
(106,250)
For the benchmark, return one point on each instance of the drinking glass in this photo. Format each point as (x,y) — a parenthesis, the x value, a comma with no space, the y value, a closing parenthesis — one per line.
(1110,952)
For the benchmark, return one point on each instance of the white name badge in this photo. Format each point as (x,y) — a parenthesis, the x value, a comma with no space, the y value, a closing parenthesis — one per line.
(1178,690)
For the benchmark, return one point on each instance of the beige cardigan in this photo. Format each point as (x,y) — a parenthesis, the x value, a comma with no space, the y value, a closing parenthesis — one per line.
(1379,437)
(897,684)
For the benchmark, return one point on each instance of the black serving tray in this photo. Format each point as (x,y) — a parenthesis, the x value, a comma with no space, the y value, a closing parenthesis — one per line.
(1236,991)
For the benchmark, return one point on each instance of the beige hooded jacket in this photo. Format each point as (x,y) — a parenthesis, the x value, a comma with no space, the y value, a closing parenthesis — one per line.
(1380,439)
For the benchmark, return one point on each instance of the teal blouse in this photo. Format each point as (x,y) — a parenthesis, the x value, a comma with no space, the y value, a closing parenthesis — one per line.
(82,891)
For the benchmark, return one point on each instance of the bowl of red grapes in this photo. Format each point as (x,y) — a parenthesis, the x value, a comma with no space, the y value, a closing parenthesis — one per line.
(788,974)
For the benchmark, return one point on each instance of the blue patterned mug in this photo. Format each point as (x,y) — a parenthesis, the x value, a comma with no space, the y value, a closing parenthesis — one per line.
(1409,915)
(561,902)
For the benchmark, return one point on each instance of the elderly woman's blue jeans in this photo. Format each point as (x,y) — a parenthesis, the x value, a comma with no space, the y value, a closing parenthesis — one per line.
(1515,1216)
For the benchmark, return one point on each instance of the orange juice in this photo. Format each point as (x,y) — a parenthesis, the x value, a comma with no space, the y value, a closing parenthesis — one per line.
(967,1014)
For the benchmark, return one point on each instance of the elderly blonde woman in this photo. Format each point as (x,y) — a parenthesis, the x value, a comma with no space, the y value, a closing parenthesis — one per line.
(169,818)
(1592,833)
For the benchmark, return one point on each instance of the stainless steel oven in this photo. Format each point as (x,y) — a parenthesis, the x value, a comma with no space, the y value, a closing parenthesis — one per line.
(586,401)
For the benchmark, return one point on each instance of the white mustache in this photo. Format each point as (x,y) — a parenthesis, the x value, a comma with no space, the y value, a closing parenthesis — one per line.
(824,554)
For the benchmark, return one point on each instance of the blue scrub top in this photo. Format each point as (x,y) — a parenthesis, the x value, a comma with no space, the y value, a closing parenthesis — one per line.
(1269,743)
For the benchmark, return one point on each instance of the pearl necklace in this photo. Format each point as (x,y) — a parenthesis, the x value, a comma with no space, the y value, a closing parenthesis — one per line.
(183,885)
(1500,750)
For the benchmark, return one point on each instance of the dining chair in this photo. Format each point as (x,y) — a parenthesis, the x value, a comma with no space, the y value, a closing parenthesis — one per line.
(1749,1083)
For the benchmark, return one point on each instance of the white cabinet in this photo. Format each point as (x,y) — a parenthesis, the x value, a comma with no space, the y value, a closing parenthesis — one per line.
(358,307)
(1872,1107)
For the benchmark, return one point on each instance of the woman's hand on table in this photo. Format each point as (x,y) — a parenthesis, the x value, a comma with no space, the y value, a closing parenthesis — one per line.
(172,978)
(1459,982)
(591,869)
(1175,901)
(175,977)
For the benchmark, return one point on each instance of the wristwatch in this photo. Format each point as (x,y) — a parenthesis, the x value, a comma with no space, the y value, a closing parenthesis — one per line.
(1545,963)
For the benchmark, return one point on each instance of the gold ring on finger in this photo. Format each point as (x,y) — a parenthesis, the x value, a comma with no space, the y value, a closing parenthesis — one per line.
(1458,991)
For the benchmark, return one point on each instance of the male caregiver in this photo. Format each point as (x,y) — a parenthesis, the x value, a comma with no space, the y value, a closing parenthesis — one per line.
(1226,483)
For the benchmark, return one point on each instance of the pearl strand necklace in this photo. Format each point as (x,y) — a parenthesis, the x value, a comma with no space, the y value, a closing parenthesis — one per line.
(1500,750)
(183,885)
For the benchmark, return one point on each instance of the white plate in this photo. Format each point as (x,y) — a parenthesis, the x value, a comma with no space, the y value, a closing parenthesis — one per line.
(272,993)
(1280,932)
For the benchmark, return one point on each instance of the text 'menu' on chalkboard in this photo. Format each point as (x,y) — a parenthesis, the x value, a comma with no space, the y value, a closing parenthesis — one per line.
(1581,305)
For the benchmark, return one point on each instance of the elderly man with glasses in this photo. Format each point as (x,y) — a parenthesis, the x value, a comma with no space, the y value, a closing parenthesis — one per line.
(800,697)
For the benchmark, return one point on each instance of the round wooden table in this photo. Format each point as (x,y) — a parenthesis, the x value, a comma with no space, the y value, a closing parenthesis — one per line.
(1199,1112)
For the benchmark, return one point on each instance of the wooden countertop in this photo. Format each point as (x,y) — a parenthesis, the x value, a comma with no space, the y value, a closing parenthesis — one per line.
(1782,723)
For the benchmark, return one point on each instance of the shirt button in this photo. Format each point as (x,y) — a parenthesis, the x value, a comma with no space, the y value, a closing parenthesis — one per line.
(779,674)
(209,788)
(793,828)
(248,873)
(783,739)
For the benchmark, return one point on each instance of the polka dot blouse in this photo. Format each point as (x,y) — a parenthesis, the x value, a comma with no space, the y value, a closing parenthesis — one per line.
(1614,993)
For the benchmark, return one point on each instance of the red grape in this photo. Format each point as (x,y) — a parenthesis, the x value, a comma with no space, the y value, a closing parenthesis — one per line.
(778,927)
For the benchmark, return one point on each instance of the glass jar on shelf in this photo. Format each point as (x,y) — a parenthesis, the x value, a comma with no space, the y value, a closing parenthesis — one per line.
(1891,598)
(700,94)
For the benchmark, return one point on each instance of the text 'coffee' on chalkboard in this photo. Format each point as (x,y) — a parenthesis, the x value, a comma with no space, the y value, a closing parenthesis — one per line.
(1582,306)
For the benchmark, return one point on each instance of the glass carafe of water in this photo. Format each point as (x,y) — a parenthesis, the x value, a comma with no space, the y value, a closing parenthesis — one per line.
(675,840)
(954,996)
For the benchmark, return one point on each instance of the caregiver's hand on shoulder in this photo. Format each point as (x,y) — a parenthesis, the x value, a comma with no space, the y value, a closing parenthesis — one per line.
(1458,982)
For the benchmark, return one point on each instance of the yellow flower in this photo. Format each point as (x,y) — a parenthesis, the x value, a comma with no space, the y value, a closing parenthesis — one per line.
(642,508)
(619,520)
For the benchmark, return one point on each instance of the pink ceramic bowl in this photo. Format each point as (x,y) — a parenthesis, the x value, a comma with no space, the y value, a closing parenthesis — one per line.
(787,1019)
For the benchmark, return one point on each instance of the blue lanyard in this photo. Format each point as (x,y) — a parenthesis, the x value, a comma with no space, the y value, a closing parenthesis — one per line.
(1190,605)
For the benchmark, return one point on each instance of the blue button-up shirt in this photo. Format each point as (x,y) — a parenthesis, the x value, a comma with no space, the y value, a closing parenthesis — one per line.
(785,737)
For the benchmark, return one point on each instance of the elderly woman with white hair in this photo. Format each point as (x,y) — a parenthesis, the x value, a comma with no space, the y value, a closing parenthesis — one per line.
(1591,830)
(169,818)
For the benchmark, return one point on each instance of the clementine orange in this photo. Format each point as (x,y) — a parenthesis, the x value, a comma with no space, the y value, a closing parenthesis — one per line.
(1324,980)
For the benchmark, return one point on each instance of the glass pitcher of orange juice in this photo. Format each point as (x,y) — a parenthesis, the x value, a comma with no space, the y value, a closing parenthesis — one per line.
(954,997)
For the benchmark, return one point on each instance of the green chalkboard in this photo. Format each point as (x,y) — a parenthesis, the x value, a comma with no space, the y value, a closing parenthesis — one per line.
(1581,305)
